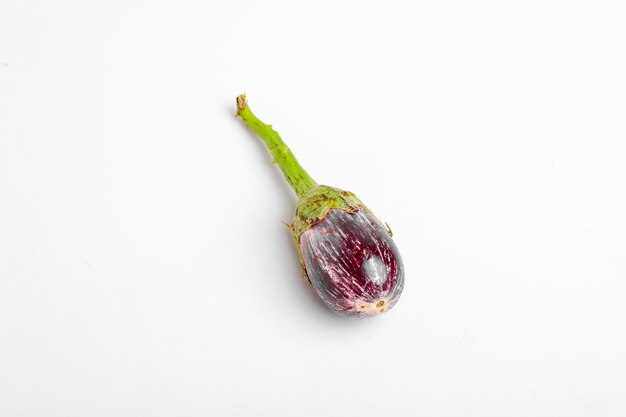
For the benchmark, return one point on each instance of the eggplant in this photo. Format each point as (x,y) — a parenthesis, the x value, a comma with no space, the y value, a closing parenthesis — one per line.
(346,253)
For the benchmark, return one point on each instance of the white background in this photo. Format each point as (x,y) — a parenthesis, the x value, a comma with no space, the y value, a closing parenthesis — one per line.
(144,269)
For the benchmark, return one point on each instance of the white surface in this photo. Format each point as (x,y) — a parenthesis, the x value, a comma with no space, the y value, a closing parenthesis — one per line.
(144,270)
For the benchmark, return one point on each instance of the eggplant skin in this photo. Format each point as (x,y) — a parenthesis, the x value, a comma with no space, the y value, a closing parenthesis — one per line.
(353,263)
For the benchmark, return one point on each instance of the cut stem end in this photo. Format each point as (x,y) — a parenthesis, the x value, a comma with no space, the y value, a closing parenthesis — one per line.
(242,104)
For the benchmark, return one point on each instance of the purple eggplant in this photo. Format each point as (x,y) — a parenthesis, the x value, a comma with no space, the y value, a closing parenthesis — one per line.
(346,253)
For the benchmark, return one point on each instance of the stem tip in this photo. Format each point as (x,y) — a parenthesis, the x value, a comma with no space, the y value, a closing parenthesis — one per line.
(242,103)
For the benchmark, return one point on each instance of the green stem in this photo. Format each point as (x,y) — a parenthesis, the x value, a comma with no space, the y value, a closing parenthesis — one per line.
(298,178)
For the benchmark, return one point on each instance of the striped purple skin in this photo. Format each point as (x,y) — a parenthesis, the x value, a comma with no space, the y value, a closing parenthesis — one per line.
(353,263)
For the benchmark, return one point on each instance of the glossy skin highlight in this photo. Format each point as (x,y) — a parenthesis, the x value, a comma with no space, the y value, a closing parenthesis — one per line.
(353,263)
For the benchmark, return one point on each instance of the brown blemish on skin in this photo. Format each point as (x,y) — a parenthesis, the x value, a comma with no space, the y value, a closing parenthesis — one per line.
(380,303)
(362,307)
